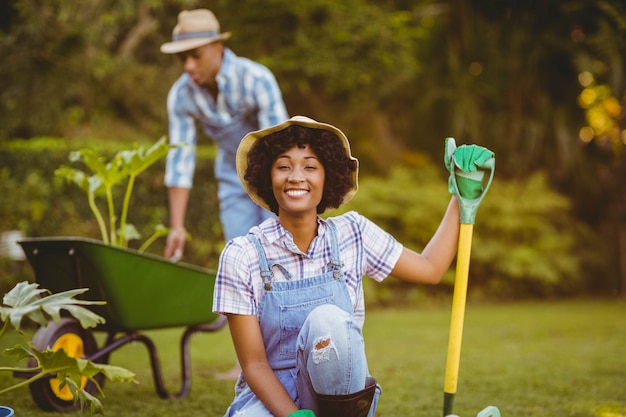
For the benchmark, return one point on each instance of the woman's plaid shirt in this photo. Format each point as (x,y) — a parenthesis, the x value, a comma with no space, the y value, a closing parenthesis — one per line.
(365,250)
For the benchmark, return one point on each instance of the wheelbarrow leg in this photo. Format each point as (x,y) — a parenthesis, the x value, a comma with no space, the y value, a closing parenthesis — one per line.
(185,365)
(113,344)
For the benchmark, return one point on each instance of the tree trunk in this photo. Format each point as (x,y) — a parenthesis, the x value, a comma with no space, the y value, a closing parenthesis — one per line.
(145,23)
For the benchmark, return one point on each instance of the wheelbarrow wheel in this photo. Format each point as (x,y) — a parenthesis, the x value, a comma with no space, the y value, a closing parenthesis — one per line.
(77,342)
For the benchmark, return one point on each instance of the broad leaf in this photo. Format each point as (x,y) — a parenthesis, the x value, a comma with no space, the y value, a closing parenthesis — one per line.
(95,406)
(92,185)
(70,370)
(19,352)
(138,160)
(25,300)
(131,232)
(22,294)
(57,362)
(109,173)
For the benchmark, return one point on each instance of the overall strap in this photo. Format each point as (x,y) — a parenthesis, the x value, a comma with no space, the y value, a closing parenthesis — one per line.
(266,272)
(334,251)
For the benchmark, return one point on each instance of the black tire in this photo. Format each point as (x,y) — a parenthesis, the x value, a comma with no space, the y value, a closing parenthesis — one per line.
(68,331)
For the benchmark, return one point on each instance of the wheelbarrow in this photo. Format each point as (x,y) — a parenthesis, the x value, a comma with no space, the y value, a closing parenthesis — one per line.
(141,291)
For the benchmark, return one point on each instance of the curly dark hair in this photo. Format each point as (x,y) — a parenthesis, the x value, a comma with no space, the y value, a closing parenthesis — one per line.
(328,148)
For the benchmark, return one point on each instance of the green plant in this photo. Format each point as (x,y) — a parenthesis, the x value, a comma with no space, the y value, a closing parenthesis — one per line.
(26,300)
(126,165)
(527,241)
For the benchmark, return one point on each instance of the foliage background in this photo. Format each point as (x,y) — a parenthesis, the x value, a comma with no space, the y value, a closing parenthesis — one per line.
(540,82)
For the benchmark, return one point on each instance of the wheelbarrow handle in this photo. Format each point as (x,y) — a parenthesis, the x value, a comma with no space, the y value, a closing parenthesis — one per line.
(468,206)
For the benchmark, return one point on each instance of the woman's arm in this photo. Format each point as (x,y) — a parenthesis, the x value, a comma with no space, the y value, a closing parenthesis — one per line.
(429,266)
(246,334)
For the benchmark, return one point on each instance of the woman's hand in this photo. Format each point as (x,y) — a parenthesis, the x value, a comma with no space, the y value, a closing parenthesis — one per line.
(302,413)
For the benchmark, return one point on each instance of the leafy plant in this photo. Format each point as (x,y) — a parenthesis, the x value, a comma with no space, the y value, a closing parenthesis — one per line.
(126,165)
(527,241)
(26,300)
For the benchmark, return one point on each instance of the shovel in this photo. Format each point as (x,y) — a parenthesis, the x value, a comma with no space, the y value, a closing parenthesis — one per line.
(468,208)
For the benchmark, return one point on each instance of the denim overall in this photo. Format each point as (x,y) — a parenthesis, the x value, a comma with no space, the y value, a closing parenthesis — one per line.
(238,213)
(295,316)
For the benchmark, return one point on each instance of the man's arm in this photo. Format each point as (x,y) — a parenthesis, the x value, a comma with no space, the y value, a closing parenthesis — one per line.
(179,170)
(178,199)
(272,108)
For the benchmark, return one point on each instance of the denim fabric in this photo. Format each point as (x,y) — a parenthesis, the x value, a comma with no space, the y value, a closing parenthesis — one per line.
(367,252)
(338,368)
(239,214)
(312,340)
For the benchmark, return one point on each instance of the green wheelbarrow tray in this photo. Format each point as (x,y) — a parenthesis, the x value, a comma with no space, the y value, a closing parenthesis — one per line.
(141,291)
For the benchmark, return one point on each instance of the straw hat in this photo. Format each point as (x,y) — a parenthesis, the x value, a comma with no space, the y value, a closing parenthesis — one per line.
(195,28)
(251,139)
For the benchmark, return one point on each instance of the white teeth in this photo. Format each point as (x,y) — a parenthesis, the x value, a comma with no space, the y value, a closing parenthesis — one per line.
(296,193)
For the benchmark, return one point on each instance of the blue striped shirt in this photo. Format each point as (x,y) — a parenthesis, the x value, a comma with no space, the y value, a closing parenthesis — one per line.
(366,250)
(249,99)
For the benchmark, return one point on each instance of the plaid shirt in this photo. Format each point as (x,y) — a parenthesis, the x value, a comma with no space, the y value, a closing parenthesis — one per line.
(365,250)
(249,99)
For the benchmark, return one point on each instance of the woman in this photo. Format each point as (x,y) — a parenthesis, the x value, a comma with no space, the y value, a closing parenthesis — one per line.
(292,288)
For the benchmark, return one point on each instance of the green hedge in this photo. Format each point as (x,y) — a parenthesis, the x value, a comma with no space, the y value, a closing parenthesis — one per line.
(40,204)
(527,242)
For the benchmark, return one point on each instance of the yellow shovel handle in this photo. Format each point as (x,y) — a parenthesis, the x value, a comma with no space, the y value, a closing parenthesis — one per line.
(458,308)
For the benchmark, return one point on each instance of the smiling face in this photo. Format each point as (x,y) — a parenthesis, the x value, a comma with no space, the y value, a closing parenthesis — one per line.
(339,168)
(298,181)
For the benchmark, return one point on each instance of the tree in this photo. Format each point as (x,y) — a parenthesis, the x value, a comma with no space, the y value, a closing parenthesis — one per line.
(397,75)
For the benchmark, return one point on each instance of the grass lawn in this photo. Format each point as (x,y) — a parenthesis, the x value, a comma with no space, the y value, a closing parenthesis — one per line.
(539,359)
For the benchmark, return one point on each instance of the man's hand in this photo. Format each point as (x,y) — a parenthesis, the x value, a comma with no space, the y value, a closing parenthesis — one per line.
(175,245)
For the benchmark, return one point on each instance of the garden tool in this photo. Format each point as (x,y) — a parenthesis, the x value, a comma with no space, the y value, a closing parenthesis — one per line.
(468,165)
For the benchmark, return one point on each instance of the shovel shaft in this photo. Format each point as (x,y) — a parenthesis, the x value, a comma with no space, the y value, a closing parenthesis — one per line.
(468,207)
(458,315)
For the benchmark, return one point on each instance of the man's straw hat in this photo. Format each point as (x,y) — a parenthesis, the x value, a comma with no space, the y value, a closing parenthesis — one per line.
(195,28)
(251,139)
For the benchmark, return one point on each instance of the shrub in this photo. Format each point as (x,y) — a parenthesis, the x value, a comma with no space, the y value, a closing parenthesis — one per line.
(40,204)
(526,241)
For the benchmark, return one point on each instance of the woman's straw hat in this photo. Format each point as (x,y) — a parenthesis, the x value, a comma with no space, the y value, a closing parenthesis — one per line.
(248,142)
(195,28)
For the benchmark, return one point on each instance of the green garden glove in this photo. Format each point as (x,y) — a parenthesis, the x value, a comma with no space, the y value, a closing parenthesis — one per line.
(468,159)
(302,413)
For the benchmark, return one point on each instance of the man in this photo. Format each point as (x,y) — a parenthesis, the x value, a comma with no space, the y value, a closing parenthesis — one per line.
(229,96)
